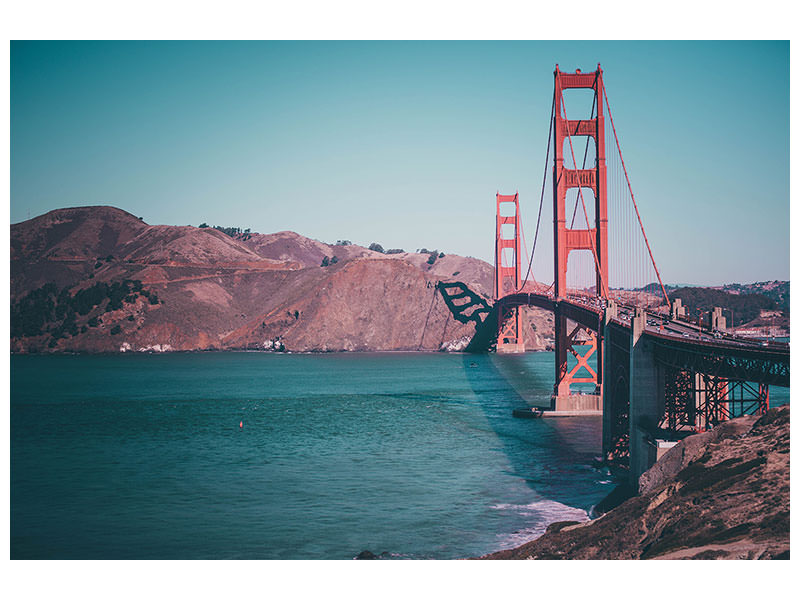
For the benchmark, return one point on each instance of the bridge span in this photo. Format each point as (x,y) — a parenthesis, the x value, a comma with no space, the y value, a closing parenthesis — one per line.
(657,376)
(660,378)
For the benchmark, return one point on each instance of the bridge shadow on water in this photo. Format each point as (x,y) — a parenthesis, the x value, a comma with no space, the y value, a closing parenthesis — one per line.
(554,457)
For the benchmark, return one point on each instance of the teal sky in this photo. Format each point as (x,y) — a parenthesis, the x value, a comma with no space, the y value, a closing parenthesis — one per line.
(406,143)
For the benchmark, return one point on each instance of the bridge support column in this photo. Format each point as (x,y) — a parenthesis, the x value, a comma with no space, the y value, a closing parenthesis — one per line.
(561,387)
(608,372)
(563,398)
(508,277)
(717,320)
(592,237)
(647,382)
(677,310)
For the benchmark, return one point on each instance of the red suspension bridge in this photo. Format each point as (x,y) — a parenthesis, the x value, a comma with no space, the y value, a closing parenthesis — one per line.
(656,375)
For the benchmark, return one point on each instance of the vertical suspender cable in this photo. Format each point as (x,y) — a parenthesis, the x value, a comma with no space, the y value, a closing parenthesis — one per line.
(622,160)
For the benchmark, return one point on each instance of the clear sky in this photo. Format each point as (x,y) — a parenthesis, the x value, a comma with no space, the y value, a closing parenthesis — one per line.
(406,143)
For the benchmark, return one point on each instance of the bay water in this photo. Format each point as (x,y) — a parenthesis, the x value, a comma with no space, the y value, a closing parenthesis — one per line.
(283,456)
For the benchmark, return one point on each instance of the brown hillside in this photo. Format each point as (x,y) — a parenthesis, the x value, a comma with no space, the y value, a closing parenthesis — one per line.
(290,246)
(201,289)
(74,233)
(62,245)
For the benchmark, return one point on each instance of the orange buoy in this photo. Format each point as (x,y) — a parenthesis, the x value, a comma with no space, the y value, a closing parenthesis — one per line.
(241,424)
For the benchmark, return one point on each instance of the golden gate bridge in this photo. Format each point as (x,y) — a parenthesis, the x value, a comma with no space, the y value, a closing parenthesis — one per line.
(657,376)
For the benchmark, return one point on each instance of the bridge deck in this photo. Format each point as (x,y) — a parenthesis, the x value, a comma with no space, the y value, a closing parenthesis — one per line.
(680,343)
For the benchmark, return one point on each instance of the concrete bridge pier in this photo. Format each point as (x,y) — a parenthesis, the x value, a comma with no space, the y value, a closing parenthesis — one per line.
(647,385)
(634,395)
(718,322)
(677,310)
(611,371)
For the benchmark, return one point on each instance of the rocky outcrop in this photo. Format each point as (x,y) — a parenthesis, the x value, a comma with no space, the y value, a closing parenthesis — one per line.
(721,494)
(248,291)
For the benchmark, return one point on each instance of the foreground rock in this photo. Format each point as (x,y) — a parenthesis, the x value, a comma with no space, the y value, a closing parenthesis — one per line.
(720,494)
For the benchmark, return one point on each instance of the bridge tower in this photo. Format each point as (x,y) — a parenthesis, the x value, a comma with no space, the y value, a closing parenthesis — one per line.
(507,261)
(567,239)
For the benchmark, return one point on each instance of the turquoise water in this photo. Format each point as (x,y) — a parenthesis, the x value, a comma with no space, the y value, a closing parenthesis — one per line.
(414,455)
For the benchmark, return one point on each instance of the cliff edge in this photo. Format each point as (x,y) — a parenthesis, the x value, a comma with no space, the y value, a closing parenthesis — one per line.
(722,494)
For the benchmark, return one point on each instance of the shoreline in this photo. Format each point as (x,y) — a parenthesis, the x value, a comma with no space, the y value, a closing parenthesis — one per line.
(255,351)
(680,510)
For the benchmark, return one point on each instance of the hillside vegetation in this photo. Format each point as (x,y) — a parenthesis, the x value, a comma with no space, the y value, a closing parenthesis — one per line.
(98,279)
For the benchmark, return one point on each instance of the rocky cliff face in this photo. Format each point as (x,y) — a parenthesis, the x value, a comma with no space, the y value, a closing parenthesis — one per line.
(98,279)
(721,494)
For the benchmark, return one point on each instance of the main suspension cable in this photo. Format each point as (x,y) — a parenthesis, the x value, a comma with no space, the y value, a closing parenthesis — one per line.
(544,185)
